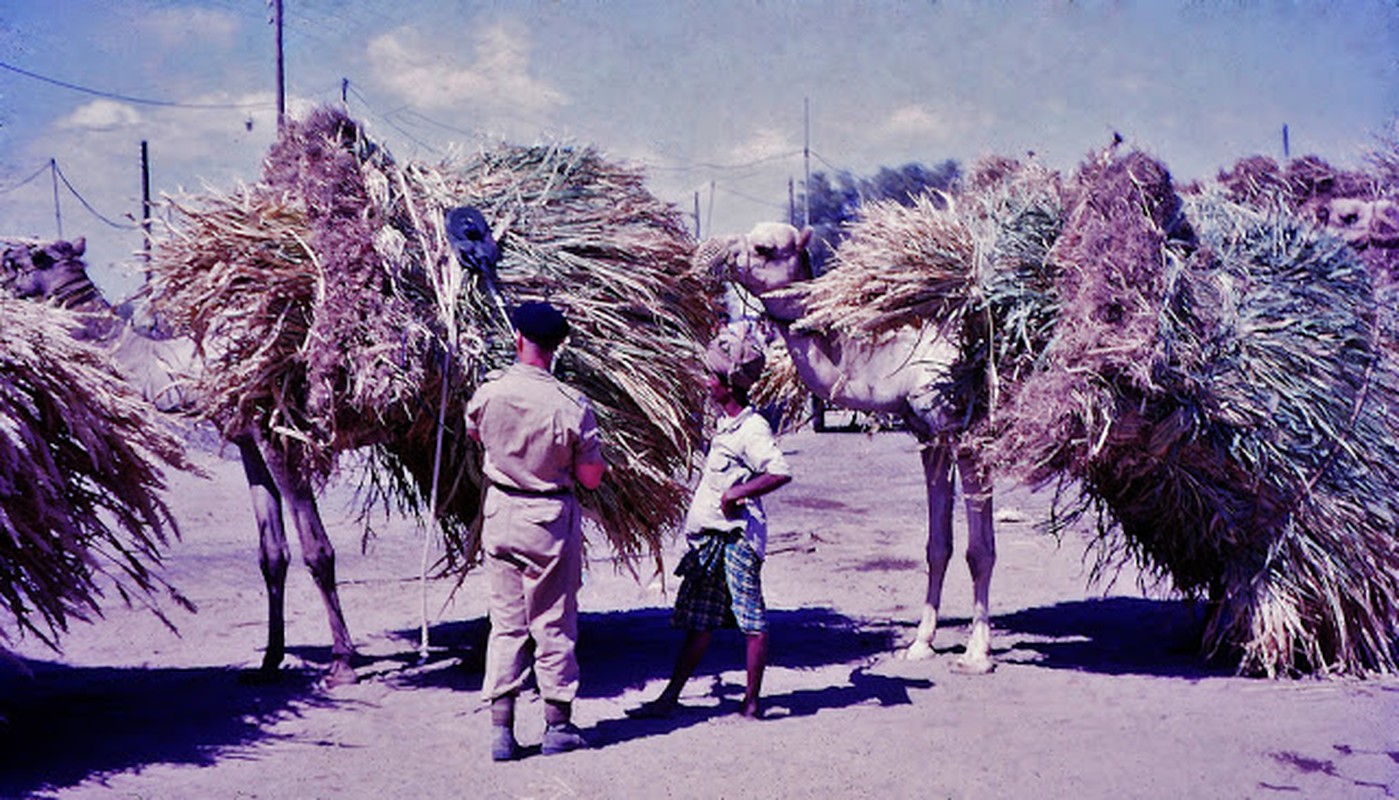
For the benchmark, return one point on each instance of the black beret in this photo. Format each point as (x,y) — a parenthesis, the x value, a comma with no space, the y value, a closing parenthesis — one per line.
(541,323)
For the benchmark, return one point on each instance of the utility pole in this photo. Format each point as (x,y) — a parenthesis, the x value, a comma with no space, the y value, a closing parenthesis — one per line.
(806,155)
(345,94)
(57,212)
(146,206)
(281,67)
(1286,146)
(697,216)
(791,201)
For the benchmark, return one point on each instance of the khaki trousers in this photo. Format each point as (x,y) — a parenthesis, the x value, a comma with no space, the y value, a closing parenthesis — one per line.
(534,562)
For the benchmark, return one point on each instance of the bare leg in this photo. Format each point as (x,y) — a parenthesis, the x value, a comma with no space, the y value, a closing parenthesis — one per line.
(273,553)
(757,659)
(319,555)
(981,559)
(696,642)
(937,472)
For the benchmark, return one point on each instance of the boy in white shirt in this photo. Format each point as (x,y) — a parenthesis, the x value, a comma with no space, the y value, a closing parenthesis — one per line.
(726,528)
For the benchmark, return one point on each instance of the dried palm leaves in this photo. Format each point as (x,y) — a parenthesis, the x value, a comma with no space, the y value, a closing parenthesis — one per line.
(1213,376)
(81,481)
(332,313)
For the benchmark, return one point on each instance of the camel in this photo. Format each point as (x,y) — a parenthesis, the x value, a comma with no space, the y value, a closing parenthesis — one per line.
(56,273)
(899,374)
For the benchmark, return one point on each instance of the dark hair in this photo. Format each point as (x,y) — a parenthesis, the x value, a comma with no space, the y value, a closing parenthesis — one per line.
(541,323)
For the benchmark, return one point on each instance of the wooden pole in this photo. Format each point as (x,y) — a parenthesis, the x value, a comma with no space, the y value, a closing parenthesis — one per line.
(57,210)
(806,150)
(146,206)
(281,66)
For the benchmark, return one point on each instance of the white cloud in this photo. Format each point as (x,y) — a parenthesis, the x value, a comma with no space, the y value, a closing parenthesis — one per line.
(498,79)
(761,143)
(189,26)
(947,125)
(100,115)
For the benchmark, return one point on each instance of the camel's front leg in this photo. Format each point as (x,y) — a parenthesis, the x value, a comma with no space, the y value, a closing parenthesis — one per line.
(319,555)
(981,559)
(937,472)
(273,553)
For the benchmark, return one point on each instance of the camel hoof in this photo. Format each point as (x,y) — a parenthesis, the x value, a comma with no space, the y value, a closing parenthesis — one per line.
(978,665)
(341,674)
(919,651)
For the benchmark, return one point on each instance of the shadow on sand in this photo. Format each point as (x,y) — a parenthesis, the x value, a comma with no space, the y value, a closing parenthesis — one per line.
(63,725)
(1112,636)
(66,724)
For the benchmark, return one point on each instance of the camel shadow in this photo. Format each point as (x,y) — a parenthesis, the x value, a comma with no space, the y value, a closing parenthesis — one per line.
(1111,636)
(62,725)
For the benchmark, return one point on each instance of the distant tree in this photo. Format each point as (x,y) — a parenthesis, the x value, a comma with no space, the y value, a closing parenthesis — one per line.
(835,200)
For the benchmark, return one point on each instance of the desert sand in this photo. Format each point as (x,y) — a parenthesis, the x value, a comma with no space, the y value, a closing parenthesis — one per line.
(1098,694)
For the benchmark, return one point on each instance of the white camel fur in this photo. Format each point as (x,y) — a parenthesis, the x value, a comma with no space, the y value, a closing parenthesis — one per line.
(899,374)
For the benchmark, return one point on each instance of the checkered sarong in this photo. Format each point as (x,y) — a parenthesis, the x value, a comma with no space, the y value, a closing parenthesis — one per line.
(721,585)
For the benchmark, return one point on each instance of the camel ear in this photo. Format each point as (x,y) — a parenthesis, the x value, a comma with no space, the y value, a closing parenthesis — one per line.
(803,237)
(79,245)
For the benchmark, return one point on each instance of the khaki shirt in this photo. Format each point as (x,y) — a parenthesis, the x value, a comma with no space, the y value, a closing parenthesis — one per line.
(534,429)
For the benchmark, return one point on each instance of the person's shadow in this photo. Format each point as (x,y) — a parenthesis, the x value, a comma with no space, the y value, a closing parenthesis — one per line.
(621,651)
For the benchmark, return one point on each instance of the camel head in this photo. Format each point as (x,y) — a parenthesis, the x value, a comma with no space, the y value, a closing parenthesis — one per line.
(770,257)
(37,269)
(1360,222)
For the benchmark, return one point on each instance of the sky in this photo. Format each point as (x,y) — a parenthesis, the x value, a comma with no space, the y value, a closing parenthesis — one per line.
(724,103)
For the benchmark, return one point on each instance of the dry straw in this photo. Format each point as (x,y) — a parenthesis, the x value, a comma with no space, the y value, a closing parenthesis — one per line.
(82,512)
(1211,377)
(331,309)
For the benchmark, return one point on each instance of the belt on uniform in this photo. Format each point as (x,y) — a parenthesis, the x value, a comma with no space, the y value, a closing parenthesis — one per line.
(516,491)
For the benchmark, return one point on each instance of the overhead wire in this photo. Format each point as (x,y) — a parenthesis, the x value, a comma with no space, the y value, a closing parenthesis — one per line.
(83,200)
(127,98)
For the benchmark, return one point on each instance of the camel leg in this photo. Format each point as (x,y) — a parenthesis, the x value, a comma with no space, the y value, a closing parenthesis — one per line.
(937,472)
(273,553)
(981,559)
(319,555)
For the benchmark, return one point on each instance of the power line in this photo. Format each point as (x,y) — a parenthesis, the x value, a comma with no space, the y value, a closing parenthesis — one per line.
(118,225)
(26,181)
(126,98)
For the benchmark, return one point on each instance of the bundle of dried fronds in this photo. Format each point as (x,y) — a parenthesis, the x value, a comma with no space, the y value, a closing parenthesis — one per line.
(301,326)
(1260,469)
(1217,387)
(974,264)
(81,481)
(1099,319)
(587,235)
(334,314)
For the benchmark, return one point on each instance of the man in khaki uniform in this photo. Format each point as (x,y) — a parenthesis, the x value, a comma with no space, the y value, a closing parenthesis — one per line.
(540,439)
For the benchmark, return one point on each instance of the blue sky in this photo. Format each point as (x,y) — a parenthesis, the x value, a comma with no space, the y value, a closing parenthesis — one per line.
(710,96)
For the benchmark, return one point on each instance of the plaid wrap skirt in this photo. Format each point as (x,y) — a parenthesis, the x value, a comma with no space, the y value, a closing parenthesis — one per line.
(720,585)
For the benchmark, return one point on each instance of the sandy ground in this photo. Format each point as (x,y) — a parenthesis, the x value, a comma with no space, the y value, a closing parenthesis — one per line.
(1097,695)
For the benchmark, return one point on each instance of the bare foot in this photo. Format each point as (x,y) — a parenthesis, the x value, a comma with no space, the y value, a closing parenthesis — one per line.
(659,708)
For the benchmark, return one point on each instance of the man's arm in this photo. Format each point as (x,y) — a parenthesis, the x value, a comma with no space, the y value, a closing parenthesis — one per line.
(757,486)
(589,475)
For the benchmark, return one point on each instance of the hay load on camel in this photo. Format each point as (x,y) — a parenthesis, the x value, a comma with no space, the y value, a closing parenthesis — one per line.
(82,458)
(333,312)
(1211,376)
